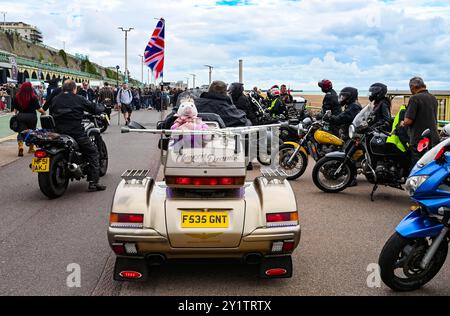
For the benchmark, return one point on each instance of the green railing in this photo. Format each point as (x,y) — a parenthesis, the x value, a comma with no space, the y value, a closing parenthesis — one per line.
(52,67)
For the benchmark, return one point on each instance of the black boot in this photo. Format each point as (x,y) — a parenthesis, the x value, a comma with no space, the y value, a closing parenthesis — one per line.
(96,186)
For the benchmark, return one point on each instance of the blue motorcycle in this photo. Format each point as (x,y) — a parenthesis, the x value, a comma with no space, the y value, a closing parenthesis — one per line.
(418,249)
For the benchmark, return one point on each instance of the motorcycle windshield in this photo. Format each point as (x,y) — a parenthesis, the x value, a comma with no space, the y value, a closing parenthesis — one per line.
(363,115)
(429,156)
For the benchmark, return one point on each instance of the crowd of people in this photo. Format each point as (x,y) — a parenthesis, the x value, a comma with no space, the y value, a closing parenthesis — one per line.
(235,108)
(232,105)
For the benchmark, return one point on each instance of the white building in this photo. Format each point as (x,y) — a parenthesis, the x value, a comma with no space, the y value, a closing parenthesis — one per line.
(26,31)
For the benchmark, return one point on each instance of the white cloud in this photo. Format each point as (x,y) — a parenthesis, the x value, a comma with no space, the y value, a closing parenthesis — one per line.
(297,42)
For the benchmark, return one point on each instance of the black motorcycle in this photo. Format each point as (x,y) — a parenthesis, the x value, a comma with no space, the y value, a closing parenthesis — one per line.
(101,120)
(58,158)
(380,162)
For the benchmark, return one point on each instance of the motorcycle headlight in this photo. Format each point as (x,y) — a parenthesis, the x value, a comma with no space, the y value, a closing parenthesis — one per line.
(413,183)
(351,131)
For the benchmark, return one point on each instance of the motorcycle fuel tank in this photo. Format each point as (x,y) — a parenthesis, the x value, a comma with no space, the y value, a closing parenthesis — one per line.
(379,146)
(325,138)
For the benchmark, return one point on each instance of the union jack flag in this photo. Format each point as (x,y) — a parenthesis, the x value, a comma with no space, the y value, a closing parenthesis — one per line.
(154,52)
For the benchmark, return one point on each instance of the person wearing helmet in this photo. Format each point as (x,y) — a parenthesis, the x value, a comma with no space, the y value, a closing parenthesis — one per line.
(236,92)
(348,98)
(381,114)
(276,106)
(330,101)
(285,95)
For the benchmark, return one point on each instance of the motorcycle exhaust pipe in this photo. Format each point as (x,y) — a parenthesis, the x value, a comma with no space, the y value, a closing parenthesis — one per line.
(433,249)
(75,170)
(73,167)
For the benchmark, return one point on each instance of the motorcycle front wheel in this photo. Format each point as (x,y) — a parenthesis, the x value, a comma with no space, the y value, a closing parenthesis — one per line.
(400,262)
(325,177)
(297,167)
(55,182)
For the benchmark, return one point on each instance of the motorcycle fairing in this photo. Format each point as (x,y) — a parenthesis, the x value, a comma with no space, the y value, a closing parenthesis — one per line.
(416,225)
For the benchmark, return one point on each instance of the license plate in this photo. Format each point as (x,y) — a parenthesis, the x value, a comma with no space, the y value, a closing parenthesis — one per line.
(205,220)
(40,165)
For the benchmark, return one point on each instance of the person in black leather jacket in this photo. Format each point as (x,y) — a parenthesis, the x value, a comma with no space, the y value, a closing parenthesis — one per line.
(330,101)
(236,91)
(67,110)
(381,114)
(348,98)
(86,92)
(218,102)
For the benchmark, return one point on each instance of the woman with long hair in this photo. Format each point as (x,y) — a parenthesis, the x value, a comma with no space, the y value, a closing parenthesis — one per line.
(25,105)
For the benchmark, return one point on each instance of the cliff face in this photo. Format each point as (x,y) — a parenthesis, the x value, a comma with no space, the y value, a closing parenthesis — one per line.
(16,45)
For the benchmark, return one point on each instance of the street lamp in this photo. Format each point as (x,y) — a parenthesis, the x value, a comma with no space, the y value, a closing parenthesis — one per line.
(210,73)
(142,70)
(117,75)
(193,76)
(126,50)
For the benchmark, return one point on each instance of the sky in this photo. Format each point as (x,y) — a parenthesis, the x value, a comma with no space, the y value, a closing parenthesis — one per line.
(296,42)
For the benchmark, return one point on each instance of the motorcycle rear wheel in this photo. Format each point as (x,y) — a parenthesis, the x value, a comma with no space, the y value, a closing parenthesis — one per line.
(325,168)
(55,182)
(400,253)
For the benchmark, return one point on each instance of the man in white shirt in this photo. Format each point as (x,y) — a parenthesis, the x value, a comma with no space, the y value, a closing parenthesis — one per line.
(124,100)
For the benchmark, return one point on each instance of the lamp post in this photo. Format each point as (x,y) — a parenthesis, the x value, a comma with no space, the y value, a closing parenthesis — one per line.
(117,75)
(126,31)
(210,73)
(142,70)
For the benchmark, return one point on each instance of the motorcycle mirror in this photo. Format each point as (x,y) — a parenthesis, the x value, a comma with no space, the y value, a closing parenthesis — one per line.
(423,145)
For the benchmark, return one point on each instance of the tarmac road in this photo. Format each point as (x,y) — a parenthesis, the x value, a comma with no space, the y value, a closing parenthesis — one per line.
(342,235)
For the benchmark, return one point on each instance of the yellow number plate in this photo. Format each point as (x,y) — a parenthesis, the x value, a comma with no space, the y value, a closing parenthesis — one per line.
(40,165)
(205,220)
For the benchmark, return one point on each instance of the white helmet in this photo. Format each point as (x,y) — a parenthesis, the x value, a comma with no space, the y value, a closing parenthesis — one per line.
(446,130)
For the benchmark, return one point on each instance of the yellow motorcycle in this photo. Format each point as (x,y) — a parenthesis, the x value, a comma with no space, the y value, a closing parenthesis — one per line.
(308,138)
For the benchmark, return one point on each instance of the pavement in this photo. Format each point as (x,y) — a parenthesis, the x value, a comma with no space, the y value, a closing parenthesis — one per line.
(4,125)
(342,235)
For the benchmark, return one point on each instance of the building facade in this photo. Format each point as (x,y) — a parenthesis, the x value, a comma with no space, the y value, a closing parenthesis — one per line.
(26,31)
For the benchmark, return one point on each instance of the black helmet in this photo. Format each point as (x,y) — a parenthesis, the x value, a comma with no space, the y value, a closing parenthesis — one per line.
(236,89)
(348,95)
(377,92)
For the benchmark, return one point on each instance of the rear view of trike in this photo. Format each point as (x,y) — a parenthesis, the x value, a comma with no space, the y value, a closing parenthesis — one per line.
(203,209)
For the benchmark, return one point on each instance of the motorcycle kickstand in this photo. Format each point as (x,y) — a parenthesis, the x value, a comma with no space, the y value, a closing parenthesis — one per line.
(375,188)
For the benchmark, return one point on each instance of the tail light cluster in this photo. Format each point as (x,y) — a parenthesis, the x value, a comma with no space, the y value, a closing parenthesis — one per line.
(125,249)
(126,220)
(205,181)
(40,154)
(282,219)
(285,246)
